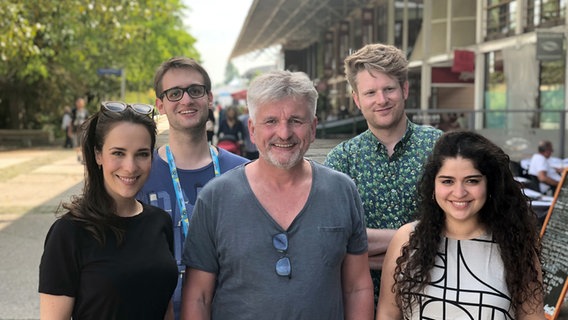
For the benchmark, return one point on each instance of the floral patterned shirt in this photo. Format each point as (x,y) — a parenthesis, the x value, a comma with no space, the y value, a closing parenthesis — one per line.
(387,185)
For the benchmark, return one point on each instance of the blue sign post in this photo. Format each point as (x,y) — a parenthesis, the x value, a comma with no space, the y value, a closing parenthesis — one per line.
(115,72)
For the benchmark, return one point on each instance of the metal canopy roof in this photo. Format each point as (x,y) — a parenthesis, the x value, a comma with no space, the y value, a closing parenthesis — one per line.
(294,24)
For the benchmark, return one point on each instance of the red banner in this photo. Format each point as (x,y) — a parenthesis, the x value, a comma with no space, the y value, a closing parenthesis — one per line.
(464,61)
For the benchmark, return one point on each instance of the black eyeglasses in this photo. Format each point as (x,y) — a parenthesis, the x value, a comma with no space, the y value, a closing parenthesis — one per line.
(283,265)
(119,106)
(195,91)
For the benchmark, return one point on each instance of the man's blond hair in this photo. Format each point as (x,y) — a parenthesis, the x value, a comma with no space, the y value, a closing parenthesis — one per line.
(377,57)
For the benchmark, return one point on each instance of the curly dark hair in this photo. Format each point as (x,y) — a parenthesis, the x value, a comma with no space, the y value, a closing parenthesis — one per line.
(95,208)
(506,214)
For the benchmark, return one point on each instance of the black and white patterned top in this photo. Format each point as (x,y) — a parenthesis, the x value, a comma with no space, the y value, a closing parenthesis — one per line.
(468,282)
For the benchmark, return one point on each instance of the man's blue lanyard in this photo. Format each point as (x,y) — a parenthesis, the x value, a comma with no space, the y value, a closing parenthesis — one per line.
(177,185)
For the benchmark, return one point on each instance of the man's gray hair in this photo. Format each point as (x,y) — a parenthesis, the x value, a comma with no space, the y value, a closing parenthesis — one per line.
(278,85)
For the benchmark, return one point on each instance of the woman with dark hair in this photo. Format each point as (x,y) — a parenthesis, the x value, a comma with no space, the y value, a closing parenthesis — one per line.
(474,252)
(109,256)
(210,125)
(230,133)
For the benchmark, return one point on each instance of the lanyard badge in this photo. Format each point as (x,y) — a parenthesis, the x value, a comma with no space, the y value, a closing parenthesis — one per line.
(177,185)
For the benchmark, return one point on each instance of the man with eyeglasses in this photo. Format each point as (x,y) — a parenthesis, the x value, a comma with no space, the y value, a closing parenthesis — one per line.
(295,246)
(187,162)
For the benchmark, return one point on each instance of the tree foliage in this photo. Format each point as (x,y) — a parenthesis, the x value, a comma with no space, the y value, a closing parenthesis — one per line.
(231,72)
(50,52)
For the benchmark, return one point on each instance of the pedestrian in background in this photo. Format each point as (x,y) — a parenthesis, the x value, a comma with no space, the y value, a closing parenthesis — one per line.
(210,125)
(110,256)
(80,115)
(231,132)
(67,127)
(474,252)
(386,160)
(547,176)
(282,237)
(187,162)
(249,148)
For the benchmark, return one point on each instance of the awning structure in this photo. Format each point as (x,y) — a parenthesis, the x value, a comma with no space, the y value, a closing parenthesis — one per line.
(294,24)
(239,95)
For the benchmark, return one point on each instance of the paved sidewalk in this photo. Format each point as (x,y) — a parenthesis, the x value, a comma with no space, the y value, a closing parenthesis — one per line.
(27,205)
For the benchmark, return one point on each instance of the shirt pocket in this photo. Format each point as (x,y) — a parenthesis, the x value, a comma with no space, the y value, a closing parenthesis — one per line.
(333,245)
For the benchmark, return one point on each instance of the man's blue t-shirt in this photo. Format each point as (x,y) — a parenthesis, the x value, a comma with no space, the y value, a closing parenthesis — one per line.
(159,191)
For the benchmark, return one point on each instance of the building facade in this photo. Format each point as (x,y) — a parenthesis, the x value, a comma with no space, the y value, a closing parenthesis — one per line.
(493,65)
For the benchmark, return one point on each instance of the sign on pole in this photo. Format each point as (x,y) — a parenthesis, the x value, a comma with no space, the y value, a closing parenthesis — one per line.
(549,46)
(116,72)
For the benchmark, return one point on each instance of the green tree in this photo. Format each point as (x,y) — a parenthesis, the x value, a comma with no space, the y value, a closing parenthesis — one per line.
(231,72)
(50,52)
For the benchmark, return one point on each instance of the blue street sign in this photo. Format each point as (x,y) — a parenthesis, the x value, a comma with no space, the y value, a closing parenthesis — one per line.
(116,72)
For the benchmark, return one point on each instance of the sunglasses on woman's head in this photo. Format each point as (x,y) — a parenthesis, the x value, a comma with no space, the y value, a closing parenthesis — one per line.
(119,106)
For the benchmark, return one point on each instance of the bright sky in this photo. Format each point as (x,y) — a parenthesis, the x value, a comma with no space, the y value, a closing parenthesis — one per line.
(216,24)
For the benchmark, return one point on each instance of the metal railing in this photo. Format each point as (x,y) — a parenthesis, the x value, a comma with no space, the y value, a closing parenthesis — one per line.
(517,131)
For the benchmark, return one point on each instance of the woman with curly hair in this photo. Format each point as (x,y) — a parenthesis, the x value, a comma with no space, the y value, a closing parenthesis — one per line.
(474,252)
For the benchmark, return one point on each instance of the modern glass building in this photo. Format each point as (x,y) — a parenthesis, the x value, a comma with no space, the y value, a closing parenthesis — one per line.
(497,66)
